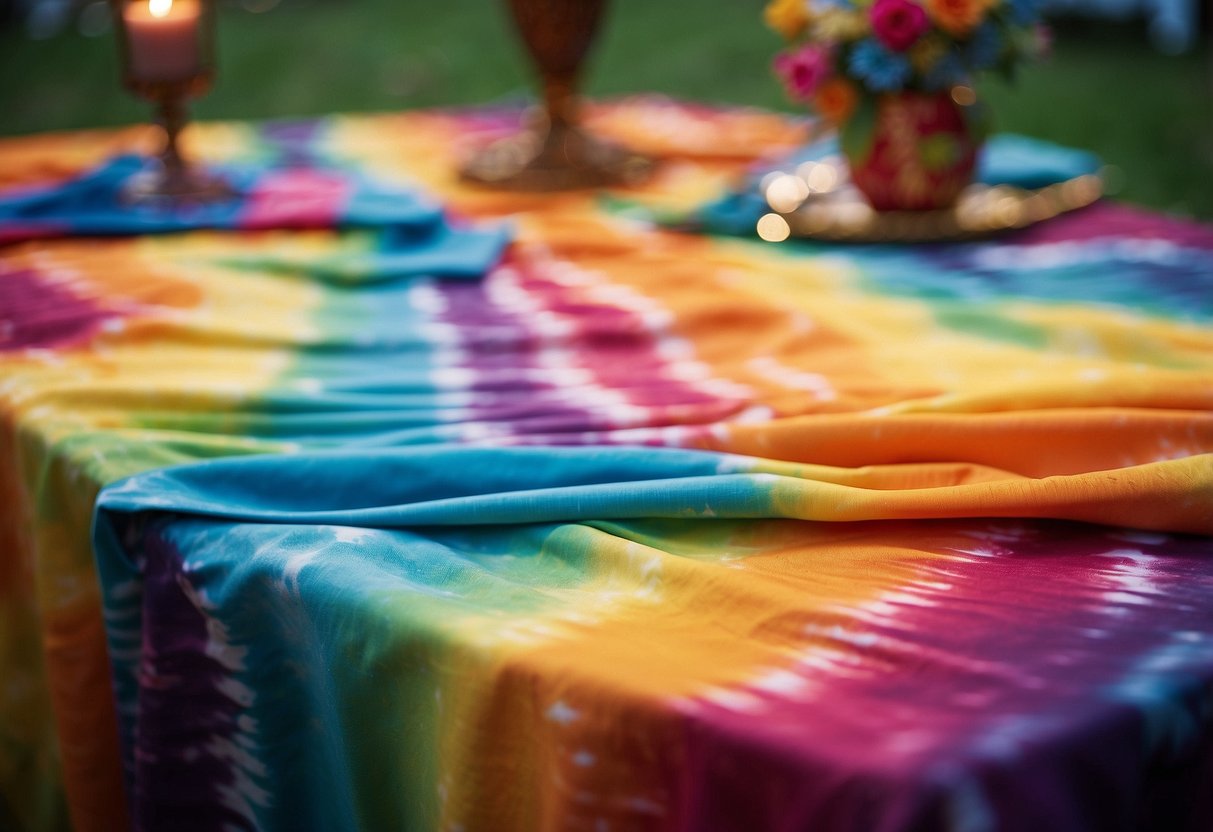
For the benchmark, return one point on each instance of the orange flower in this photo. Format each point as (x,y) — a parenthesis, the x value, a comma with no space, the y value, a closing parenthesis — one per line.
(787,17)
(957,17)
(835,100)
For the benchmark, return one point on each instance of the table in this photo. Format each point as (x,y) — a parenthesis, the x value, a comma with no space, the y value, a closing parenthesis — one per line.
(643,528)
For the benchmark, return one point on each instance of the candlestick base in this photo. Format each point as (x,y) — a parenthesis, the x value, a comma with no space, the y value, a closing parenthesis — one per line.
(172,181)
(555,156)
(168,188)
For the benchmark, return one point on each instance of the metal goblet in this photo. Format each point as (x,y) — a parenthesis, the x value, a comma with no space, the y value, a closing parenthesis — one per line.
(555,153)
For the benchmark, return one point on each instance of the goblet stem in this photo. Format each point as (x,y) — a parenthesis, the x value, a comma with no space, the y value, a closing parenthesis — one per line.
(560,100)
(172,118)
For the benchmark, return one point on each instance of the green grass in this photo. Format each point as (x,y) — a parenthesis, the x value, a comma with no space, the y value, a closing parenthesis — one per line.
(1150,115)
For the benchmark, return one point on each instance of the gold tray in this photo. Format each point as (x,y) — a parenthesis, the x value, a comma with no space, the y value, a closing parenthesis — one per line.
(809,204)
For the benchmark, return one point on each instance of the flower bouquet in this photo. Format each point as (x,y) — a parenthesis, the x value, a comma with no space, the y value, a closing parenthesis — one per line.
(896,77)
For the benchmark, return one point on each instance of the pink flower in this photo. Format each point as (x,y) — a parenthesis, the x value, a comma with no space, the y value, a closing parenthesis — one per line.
(897,24)
(804,71)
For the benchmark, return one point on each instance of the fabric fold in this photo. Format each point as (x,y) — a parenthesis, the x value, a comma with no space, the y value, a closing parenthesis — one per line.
(445,251)
(431,486)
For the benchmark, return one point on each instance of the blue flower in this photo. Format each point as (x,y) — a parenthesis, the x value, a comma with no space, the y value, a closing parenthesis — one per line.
(880,69)
(1025,12)
(985,47)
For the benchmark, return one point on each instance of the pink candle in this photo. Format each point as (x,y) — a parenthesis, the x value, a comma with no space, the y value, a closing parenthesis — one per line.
(162,37)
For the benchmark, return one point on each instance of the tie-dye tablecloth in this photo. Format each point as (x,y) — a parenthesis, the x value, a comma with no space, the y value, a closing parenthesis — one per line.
(642,529)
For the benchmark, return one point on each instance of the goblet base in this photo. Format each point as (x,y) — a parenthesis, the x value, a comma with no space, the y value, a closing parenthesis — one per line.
(559,157)
(168,188)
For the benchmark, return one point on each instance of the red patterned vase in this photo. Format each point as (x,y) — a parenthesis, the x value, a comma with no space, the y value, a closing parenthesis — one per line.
(911,151)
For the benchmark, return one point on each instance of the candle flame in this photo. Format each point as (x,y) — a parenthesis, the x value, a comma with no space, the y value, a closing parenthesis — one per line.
(159,8)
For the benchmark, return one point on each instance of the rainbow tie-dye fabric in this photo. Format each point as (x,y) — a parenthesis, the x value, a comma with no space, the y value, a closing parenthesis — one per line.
(623,528)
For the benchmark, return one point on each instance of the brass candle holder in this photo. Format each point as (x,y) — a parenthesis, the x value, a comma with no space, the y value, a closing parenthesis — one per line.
(555,153)
(166,49)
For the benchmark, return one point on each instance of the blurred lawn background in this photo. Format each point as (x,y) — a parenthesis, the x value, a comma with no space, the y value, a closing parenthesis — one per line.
(1148,114)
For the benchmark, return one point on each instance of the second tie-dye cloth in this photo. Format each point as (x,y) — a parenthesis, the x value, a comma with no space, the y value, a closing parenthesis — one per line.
(94,203)
(406,234)
(633,638)
(848,593)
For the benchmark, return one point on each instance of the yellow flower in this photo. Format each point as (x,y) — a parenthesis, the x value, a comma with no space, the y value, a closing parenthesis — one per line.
(787,17)
(838,24)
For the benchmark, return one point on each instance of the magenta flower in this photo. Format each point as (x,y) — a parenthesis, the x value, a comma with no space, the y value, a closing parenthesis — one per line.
(897,24)
(804,71)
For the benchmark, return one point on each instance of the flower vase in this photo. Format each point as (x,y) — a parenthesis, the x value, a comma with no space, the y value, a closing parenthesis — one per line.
(912,151)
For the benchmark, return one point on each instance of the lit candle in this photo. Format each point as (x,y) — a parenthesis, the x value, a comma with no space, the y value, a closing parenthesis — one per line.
(162,39)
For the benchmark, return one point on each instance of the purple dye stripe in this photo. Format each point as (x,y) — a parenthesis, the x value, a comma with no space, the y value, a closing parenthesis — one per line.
(295,142)
(38,313)
(613,362)
(509,352)
(965,685)
(180,761)
(1116,221)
